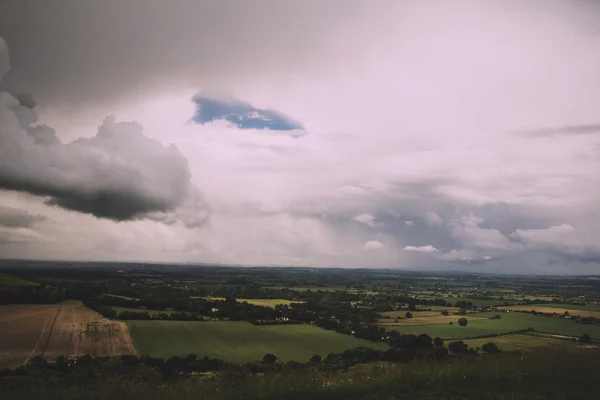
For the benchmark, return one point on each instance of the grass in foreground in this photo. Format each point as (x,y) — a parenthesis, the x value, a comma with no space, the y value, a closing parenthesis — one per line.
(239,341)
(537,375)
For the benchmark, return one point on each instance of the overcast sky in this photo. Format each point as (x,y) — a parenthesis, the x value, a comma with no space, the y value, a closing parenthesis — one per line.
(435,135)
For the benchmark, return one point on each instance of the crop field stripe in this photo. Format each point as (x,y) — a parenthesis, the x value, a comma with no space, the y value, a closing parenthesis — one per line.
(36,344)
(51,330)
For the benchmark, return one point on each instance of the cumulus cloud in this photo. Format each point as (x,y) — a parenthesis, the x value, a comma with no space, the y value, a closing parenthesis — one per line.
(11,217)
(119,174)
(421,249)
(372,245)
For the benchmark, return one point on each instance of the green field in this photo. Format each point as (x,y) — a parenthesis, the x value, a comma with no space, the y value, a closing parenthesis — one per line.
(238,341)
(578,307)
(520,341)
(9,280)
(510,322)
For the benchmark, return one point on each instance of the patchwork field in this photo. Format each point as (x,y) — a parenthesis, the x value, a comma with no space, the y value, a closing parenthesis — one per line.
(238,341)
(557,310)
(509,322)
(67,329)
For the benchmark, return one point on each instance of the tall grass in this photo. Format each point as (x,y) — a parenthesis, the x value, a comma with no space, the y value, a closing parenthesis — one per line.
(539,374)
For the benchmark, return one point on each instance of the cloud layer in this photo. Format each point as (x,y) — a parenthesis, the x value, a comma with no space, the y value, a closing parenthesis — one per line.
(447,136)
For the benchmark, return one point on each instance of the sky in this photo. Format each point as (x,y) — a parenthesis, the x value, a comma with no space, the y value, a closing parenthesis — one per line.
(427,135)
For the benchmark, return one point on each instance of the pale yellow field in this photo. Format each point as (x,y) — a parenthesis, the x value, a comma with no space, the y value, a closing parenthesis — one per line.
(267,302)
(433,313)
(68,329)
(259,302)
(551,310)
(438,319)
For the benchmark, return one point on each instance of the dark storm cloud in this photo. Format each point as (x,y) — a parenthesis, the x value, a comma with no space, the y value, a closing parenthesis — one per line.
(105,50)
(119,174)
(16,218)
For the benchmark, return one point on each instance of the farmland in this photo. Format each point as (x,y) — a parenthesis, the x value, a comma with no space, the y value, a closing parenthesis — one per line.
(552,310)
(521,341)
(266,302)
(231,313)
(65,329)
(509,322)
(238,341)
(260,302)
(425,320)
(24,330)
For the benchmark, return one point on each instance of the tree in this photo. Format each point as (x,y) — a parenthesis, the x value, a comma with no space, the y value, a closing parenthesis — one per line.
(585,338)
(445,312)
(412,307)
(270,358)
(458,347)
(408,314)
(316,359)
(463,321)
(438,342)
(490,348)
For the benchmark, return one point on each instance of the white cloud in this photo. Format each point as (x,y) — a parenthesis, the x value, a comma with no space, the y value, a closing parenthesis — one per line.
(366,219)
(372,245)
(421,249)
(409,223)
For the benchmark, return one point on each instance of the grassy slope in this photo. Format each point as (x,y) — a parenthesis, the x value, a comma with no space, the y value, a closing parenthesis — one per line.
(9,280)
(510,322)
(238,341)
(539,375)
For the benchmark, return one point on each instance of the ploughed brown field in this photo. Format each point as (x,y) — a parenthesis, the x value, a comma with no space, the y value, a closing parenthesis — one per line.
(68,329)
